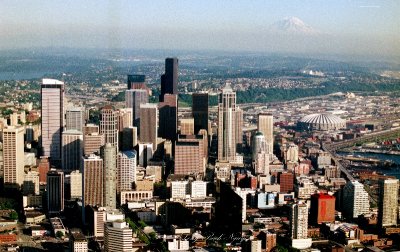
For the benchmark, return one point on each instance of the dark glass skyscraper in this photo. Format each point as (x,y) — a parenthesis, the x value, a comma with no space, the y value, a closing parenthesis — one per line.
(200,111)
(169,80)
(136,81)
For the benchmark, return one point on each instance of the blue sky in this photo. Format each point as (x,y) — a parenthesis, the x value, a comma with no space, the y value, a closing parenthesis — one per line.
(201,24)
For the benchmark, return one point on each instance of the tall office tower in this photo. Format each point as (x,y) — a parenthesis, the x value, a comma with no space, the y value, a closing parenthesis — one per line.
(299,221)
(13,156)
(129,138)
(145,153)
(200,111)
(265,125)
(286,180)
(43,167)
(93,180)
(261,163)
(31,183)
(168,113)
(148,124)
(169,80)
(137,81)
(117,236)
(126,170)
(76,185)
(292,153)
(355,199)
(108,125)
(72,150)
(124,118)
(388,202)
(109,155)
(238,124)
(226,125)
(75,118)
(187,126)
(55,191)
(52,104)
(259,145)
(189,156)
(92,143)
(322,208)
(133,99)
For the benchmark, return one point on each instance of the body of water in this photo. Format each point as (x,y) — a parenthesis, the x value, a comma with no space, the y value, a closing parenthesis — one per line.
(394,158)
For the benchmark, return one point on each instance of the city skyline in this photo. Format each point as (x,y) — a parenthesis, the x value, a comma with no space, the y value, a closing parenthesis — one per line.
(341,27)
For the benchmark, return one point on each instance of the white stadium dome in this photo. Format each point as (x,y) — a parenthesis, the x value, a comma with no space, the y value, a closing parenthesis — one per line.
(321,122)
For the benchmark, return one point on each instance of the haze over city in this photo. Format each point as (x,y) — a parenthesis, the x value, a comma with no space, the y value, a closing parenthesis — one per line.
(359,28)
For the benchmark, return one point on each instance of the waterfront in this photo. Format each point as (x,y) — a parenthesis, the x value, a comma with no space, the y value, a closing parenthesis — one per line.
(383,157)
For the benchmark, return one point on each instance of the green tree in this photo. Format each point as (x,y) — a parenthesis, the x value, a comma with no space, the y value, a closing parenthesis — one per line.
(59,234)
(13,215)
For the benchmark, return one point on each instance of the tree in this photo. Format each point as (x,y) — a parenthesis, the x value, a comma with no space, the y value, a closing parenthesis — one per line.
(59,234)
(13,215)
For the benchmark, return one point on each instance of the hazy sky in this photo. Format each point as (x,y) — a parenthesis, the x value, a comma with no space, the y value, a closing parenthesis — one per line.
(346,27)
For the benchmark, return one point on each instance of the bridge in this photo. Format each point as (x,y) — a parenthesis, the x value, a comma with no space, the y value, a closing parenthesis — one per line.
(365,138)
(346,172)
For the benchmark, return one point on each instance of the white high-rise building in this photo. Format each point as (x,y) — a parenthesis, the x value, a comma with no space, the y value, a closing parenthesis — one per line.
(13,156)
(145,153)
(76,185)
(356,199)
(117,237)
(227,125)
(292,153)
(52,104)
(388,202)
(180,189)
(299,221)
(75,118)
(198,189)
(126,170)
(265,125)
(72,150)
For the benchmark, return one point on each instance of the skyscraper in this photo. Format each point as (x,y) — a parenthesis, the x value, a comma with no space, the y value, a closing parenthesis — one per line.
(108,125)
(55,191)
(117,236)
(388,202)
(187,126)
(126,170)
(136,81)
(72,150)
(169,80)
(52,104)
(189,155)
(76,185)
(109,155)
(200,111)
(93,180)
(265,125)
(148,124)
(226,124)
(299,221)
(13,156)
(355,199)
(238,124)
(133,99)
(168,112)
(74,118)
